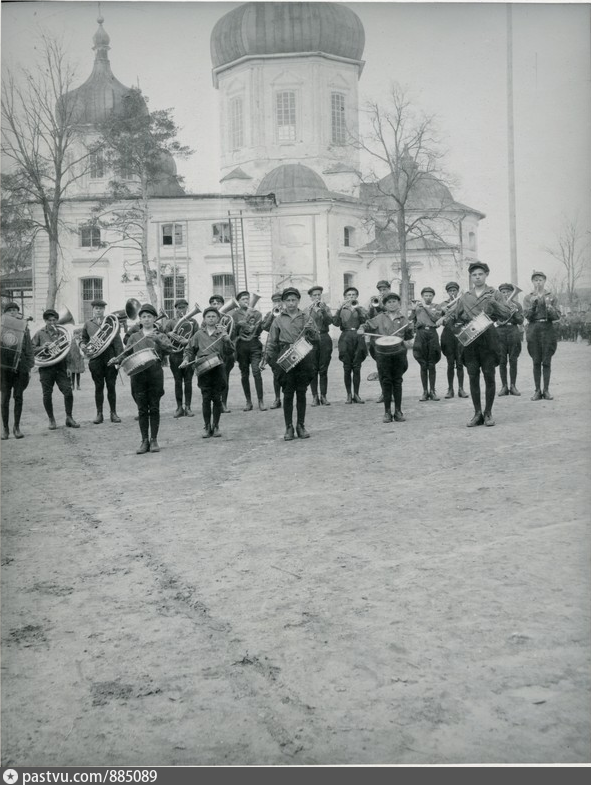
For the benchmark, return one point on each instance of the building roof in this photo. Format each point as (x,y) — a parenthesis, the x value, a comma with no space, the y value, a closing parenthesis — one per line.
(428,194)
(236,174)
(258,29)
(21,279)
(293,183)
(102,94)
(386,241)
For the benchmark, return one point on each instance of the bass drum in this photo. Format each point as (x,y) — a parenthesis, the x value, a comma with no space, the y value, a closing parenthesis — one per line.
(389,344)
(208,364)
(11,339)
(139,361)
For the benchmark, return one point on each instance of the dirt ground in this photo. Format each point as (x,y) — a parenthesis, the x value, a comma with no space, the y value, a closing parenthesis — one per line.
(412,593)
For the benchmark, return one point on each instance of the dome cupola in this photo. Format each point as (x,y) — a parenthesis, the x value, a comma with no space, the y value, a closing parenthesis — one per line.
(102,95)
(266,29)
(293,183)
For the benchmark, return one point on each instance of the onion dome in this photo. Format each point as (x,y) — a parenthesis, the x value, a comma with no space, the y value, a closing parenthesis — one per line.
(166,182)
(293,183)
(101,95)
(259,29)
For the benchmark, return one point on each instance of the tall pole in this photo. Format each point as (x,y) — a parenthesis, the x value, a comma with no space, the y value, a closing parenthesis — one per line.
(511,148)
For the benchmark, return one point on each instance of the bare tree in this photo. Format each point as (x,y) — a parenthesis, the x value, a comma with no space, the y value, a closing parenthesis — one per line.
(39,147)
(404,145)
(571,249)
(137,146)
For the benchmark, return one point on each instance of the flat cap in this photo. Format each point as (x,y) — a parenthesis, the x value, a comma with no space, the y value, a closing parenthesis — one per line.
(383,284)
(390,296)
(148,308)
(316,288)
(452,285)
(98,303)
(479,266)
(291,290)
(50,312)
(211,309)
(537,272)
(428,289)
(180,303)
(276,296)
(508,286)
(351,289)
(11,306)
(241,294)
(216,298)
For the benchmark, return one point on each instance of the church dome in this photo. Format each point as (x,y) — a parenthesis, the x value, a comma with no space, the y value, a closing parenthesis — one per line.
(293,183)
(258,29)
(101,95)
(166,183)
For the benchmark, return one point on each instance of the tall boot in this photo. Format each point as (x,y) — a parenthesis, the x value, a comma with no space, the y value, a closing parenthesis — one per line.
(18,408)
(461,391)
(99,417)
(424,382)
(432,391)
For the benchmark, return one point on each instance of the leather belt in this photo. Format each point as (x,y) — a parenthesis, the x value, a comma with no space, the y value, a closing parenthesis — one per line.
(426,327)
(542,320)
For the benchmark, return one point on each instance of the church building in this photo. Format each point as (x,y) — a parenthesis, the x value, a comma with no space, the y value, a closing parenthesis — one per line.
(291,209)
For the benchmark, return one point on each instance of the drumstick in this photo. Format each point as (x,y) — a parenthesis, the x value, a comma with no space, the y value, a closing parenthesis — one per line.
(379,335)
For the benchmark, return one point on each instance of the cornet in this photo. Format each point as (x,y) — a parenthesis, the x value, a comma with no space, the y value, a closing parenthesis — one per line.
(375,301)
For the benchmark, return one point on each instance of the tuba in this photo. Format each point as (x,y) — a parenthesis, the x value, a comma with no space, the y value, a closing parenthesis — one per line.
(59,348)
(105,335)
(183,329)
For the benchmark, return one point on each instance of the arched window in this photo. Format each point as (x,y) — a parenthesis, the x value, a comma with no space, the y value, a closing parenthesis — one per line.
(285,116)
(236,124)
(223,283)
(337,116)
(90,289)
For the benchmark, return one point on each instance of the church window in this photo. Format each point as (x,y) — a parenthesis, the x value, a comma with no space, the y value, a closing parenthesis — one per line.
(472,241)
(97,165)
(348,236)
(223,284)
(172,234)
(339,130)
(90,289)
(348,280)
(173,287)
(221,232)
(285,112)
(90,236)
(236,124)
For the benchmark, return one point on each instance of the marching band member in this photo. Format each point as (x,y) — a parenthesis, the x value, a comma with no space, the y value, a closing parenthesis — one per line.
(248,323)
(451,347)
(426,349)
(211,339)
(183,378)
(15,382)
(53,374)
(229,356)
(541,310)
(483,353)
(286,329)
(267,322)
(102,371)
(509,343)
(147,386)
(322,351)
(391,367)
(352,352)
(383,288)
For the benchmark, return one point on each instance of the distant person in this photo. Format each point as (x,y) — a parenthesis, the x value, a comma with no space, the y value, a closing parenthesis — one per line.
(15,381)
(75,358)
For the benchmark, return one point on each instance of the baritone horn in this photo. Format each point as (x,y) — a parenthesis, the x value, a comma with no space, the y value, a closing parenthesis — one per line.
(231,305)
(59,348)
(105,335)
(183,329)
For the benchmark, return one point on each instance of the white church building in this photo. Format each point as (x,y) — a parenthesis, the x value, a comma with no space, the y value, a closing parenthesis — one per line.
(291,209)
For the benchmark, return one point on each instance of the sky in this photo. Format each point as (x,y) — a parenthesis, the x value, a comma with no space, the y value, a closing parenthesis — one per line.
(451,57)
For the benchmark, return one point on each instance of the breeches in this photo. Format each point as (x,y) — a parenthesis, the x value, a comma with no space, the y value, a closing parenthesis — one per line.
(56,374)
(541,342)
(249,356)
(391,369)
(321,354)
(15,383)
(482,354)
(509,343)
(426,349)
(451,347)
(147,387)
(352,349)
(212,383)
(103,374)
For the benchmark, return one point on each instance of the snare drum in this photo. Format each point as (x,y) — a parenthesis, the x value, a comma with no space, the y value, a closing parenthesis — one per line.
(139,361)
(389,344)
(470,332)
(294,354)
(208,364)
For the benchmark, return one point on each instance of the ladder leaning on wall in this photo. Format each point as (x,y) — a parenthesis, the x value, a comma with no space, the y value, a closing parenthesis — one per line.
(238,251)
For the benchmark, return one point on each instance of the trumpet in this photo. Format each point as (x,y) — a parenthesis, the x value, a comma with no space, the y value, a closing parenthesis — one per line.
(375,301)
(277,310)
